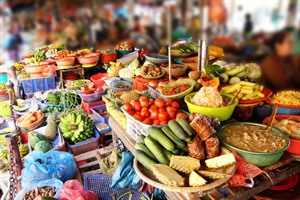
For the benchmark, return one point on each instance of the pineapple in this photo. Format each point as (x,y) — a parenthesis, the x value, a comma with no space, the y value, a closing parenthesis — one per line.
(184,164)
(51,128)
(220,161)
(212,175)
(167,175)
(130,95)
(195,180)
(116,103)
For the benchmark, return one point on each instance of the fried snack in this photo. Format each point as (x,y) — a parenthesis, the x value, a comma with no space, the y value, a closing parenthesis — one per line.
(212,147)
(288,97)
(201,125)
(196,149)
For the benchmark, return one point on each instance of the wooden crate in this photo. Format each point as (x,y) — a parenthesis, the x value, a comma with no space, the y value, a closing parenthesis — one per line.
(88,163)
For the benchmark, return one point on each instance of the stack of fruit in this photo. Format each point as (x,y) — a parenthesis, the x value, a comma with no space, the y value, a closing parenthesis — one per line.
(4,163)
(76,127)
(38,142)
(153,112)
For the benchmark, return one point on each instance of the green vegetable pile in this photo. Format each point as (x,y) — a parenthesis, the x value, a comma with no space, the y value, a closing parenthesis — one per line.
(68,100)
(78,83)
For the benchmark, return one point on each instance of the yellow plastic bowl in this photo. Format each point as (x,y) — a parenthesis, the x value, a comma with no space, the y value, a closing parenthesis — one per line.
(222,113)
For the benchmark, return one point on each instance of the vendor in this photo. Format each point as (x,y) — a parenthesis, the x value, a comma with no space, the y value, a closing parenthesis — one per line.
(281,70)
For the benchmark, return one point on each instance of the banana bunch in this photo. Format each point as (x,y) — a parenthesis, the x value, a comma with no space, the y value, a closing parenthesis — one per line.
(18,66)
(76,127)
(23,149)
(114,69)
(216,51)
(180,51)
(3,140)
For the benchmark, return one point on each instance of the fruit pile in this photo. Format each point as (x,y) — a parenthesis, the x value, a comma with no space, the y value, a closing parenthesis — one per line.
(30,118)
(153,112)
(4,163)
(38,142)
(76,127)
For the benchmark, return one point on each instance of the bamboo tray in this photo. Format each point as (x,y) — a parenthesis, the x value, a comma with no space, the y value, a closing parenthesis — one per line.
(149,178)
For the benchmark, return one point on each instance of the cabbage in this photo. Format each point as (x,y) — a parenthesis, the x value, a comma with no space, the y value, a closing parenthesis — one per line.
(134,64)
(254,71)
(138,72)
(126,73)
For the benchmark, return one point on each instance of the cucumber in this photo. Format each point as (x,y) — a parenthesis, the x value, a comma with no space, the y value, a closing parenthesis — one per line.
(145,160)
(234,80)
(235,70)
(157,150)
(188,139)
(142,147)
(168,154)
(179,143)
(141,139)
(185,126)
(176,128)
(175,151)
(161,138)
(224,78)
(185,149)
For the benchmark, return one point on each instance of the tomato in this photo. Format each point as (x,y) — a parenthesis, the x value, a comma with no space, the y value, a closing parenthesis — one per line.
(172,115)
(169,102)
(128,107)
(161,110)
(151,102)
(171,109)
(131,112)
(143,98)
(163,122)
(159,102)
(144,102)
(145,112)
(137,106)
(154,114)
(175,104)
(156,122)
(138,117)
(184,116)
(153,108)
(133,102)
(163,116)
(147,121)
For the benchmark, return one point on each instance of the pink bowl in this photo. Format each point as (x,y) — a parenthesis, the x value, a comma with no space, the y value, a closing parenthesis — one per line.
(90,58)
(67,61)
(35,69)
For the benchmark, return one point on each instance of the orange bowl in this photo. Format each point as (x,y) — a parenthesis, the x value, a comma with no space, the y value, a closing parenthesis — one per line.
(89,58)
(32,125)
(294,147)
(36,68)
(67,61)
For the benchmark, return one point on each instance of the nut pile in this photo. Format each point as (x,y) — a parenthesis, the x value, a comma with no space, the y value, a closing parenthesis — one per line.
(39,192)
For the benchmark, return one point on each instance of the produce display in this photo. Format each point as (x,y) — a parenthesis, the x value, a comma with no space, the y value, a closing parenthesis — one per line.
(30,119)
(40,193)
(288,98)
(67,100)
(76,127)
(124,46)
(150,70)
(184,48)
(4,163)
(181,86)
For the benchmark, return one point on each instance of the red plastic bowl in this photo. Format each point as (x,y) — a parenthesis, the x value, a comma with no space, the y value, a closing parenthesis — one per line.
(108,57)
(294,147)
(98,79)
(286,184)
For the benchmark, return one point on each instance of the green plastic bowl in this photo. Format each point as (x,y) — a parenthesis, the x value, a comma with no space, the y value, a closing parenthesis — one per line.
(222,113)
(4,107)
(169,86)
(260,159)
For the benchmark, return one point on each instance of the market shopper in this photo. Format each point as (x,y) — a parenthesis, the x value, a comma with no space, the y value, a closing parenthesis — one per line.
(281,70)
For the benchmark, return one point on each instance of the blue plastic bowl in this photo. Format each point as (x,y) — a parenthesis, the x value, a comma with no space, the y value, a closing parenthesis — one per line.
(290,111)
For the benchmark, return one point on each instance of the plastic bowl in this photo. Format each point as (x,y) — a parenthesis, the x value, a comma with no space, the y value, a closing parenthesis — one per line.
(36,69)
(284,109)
(90,58)
(68,61)
(294,147)
(30,126)
(125,60)
(177,70)
(124,52)
(114,85)
(286,184)
(156,58)
(260,159)
(108,57)
(96,96)
(98,79)
(191,82)
(222,113)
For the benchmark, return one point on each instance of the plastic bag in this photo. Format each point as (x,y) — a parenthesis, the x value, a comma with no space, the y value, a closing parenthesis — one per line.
(49,71)
(50,182)
(41,166)
(73,190)
(125,175)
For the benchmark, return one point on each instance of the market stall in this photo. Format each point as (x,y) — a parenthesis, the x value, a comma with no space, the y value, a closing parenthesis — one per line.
(191,133)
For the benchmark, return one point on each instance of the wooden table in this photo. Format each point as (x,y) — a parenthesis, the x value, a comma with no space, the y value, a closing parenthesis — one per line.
(235,193)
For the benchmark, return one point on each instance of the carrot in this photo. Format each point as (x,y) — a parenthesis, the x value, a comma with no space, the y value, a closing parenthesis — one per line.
(39,116)
(39,112)
(26,122)
(33,119)
(27,116)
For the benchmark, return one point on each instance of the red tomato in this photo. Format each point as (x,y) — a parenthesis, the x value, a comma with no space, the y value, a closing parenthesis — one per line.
(151,102)
(175,104)
(128,107)
(147,121)
(133,102)
(153,108)
(172,115)
(144,102)
(152,84)
(163,116)
(154,114)
(184,116)
(163,122)
(171,109)
(137,106)
(156,122)
(131,112)
(162,109)
(159,102)
(169,102)
(138,117)
(145,112)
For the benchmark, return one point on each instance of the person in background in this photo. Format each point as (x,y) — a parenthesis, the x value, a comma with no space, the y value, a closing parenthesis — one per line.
(296,40)
(12,44)
(280,69)
(248,27)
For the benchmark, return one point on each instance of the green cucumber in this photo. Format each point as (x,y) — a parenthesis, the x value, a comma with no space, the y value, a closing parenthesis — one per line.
(179,143)
(144,159)
(224,78)
(157,150)
(168,154)
(175,151)
(185,149)
(188,139)
(185,126)
(213,68)
(141,139)
(176,128)
(161,138)
(142,147)
(234,80)
(235,70)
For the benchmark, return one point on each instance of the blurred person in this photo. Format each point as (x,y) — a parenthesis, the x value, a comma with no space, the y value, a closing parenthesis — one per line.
(280,69)
(248,26)
(72,42)
(121,25)
(12,44)
(179,31)
(146,39)
(137,25)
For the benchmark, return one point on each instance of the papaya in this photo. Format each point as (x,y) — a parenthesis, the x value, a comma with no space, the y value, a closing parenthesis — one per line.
(34,138)
(43,146)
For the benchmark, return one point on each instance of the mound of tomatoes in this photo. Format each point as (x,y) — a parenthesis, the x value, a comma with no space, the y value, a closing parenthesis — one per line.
(154,112)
